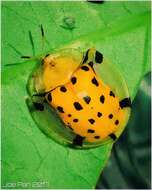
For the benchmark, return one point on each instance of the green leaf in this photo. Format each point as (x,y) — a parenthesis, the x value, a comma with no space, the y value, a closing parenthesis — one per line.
(121,30)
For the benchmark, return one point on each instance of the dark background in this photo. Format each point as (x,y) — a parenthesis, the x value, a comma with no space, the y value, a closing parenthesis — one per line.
(129,166)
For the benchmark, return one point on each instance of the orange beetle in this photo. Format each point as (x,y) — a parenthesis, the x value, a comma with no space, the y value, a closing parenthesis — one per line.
(87,106)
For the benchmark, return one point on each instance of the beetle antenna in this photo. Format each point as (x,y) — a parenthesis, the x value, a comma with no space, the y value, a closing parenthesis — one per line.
(32,42)
(42,31)
(43,38)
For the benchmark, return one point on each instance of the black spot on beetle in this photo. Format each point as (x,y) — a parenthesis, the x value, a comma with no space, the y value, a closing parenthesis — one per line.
(75,120)
(77,106)
(69,115)
(116,122)
(99,114)
(73,80)
(85,68)
(91,131)
(94,81)
(49,97)
(98,57)
(60,109)
(91,121)
(102,99)
(97,137)
(63,89)
(110,116)
(112,94)
(87,99)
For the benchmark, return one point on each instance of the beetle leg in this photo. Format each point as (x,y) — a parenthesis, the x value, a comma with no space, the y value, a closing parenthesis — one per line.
(78,140)
(126,102)
(40,94)
(113,136)
(34,105)
(38,106)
